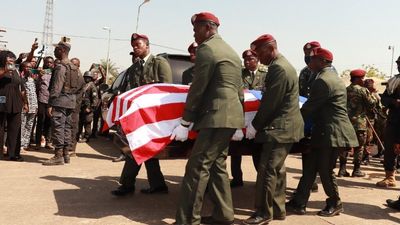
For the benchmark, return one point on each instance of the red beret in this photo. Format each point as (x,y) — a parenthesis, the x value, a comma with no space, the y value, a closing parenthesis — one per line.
(192,47)
(358,73)
(138,36)
(204,16)
(322,53)
(265,38)
(249,53)
(311,45)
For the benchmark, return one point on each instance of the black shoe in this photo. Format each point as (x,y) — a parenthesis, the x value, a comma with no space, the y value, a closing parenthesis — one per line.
(236,183)
(357,173)
(295,208)
(122,191)
(16,159)
(343,173)
(211,220)
(314,187)
(394,204)
(120,158)
(279,217)
(329,211)
(257,219)
(160,190)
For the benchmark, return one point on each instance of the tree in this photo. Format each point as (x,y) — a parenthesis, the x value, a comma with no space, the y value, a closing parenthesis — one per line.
(112,70)
(372,72)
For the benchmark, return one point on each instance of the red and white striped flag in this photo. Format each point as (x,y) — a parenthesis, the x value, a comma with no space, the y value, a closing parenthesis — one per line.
(148,115)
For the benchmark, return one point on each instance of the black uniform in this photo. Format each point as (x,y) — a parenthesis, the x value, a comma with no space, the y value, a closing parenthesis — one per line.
(89,104)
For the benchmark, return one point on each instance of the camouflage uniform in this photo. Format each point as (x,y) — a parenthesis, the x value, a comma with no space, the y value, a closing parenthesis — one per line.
(359,101)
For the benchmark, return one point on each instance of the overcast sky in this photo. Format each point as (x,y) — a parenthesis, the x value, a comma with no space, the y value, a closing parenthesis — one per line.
(356,31)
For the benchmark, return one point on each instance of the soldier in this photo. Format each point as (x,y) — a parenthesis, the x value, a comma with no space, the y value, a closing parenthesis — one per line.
(375,121)
(306,76)
(89,103)
(76,111)
(187,75)
(331,130)
(306,79)
(391,100)
(146,69)
(277,125)
(214,107)
(359,101)
(62,101)
(253,77)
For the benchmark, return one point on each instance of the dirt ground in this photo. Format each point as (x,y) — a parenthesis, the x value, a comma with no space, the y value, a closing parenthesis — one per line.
(79,193)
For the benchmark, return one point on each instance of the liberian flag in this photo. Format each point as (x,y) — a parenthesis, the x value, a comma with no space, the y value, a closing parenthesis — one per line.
(148,115)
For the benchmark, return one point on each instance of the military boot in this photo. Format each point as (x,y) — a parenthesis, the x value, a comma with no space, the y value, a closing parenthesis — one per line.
(365,159)
(357,171)
(394,204)
(58,159)
(66,156)
(389,180)
(342,169)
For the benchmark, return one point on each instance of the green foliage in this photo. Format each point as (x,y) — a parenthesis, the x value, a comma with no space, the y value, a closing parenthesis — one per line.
(112,70)
(371,70)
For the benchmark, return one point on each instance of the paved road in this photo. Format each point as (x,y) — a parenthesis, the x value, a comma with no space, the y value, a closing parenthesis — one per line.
(79,193)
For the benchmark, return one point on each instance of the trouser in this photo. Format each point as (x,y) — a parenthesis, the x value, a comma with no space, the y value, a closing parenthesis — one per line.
(321,161)
(26,128)
(96,118)
(43,124)
(207,167)
(85,122)
(131,170)
(271,179)
(390,138)
(61,120)
(358,151)
(75,130)
(236,162)
(13,132)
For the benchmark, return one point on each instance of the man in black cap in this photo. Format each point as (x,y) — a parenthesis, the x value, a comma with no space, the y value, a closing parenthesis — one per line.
(146,69)
(63,89)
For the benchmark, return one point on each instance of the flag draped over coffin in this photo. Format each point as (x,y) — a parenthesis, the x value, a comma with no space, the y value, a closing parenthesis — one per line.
(148,114)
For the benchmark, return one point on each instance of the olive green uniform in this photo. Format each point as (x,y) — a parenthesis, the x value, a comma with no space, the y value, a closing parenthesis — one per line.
(252,80)
(213,105)
(279,124)
(154,70)
(332,130)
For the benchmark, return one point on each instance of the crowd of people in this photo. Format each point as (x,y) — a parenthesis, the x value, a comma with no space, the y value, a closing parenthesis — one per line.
(47,106)
(336,121)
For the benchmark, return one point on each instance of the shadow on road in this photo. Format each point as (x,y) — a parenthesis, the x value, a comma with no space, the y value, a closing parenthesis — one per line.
(92,199)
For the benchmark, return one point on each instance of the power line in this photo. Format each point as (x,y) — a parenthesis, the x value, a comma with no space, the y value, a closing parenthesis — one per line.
(92,38)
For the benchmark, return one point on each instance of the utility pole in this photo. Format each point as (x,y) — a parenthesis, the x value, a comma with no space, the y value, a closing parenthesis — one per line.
(108,50)
(391,47)
(47,39)
(138,15)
